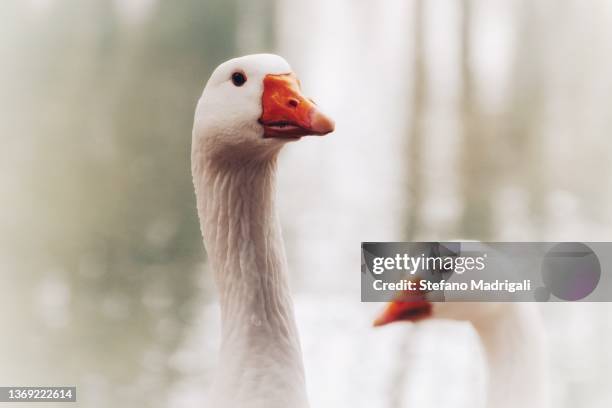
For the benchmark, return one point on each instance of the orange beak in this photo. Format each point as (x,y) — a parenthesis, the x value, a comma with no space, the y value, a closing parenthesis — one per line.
(410,306)
(398,311)
(286,113)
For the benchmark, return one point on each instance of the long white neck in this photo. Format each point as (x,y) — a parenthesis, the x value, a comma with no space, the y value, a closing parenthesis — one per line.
(260,361)
(514,345)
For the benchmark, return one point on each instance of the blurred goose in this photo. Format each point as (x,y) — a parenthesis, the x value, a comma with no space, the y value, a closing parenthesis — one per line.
(513,339)
(250,108)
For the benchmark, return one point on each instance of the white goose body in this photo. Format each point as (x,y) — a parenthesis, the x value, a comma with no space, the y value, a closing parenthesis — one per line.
(513,340)
(512,336)
(234,154)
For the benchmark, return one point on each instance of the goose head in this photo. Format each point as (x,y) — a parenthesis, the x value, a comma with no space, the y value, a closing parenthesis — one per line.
(418,307)
(252,106)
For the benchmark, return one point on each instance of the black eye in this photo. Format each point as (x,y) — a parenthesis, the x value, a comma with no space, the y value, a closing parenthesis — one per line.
(238,78)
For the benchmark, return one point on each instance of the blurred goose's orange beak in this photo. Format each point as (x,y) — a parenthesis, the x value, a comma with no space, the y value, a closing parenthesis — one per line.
(410,306)
(286,113)
(410,311)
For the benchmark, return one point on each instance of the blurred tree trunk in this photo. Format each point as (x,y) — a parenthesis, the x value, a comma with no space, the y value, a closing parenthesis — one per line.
(476,167)
(399,377)
(526,166)
(415,133)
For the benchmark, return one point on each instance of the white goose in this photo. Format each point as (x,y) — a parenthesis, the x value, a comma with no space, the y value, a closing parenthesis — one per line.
(250,107)
(513,339)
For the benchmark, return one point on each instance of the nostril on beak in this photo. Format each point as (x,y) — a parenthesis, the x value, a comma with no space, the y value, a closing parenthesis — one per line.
(293,103)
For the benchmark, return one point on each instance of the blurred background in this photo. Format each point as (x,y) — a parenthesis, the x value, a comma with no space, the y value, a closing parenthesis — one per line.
(474,119)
